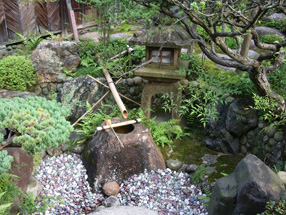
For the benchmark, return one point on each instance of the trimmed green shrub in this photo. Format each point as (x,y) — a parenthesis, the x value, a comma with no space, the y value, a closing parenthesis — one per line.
(16,73)
(271,38)
(280,25)
(5,161)
(35,123)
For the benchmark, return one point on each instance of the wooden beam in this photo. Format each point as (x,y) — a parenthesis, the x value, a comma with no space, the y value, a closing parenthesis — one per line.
(72,20)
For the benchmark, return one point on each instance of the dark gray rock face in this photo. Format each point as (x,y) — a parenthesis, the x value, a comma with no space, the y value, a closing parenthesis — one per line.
(233,121)
(239,120)
(246,190)
(107,160)
(78,91)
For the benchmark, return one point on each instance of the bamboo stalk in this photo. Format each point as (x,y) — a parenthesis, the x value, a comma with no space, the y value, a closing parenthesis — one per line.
(122,53)
(108,123)
(95,104)
(115,93)
(109,88)
(119,124)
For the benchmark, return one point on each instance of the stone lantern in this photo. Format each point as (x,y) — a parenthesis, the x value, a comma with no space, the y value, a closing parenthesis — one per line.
(164,46)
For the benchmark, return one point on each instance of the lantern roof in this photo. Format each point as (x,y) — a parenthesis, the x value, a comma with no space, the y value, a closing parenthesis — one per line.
(174,36)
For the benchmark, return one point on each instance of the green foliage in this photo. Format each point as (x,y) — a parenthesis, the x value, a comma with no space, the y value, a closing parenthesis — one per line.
(3,207)
(98,55)
(275,208)
(231,42)
(211,88)
(268,110)
(8,190)
(163,133)
(58,37)
(271,38)
(196,177)
(16,73)
(277,80)
(91,70)
(35,123)
(31,206)
(138,53)
(5,161)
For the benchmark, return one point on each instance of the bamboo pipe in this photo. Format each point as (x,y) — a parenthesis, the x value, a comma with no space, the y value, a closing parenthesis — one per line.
(118,124)
(115,93)
(109,88)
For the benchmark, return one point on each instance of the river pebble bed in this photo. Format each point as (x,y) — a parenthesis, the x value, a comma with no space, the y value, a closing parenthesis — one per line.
(168,192)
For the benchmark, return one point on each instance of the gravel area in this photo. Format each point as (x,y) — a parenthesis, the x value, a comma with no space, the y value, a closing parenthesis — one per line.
(168,192)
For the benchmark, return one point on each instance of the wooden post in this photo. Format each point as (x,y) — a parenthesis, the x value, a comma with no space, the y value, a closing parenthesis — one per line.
(72,20)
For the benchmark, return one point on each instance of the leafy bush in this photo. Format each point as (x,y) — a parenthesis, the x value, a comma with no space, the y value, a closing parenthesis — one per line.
(271,38)
(210,89)
(275,208)
(231,42)
(277,80)
(138,53)
(35,123)
(16,73)
(3,206)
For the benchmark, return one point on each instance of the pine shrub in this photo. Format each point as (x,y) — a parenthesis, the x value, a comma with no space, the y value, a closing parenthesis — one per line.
(16,73)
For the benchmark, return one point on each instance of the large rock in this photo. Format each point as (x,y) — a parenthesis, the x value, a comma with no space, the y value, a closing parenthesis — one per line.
(125,210)
(106,160)
(239,120)
(247,190)
(78,91)
(233,121)
(50,58)
(267,30)
(276,17)
(9,94)
(22,166)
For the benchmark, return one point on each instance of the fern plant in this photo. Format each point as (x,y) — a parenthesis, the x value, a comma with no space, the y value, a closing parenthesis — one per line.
(3,206)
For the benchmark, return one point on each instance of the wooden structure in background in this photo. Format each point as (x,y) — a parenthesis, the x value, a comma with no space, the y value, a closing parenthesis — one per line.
(23,18)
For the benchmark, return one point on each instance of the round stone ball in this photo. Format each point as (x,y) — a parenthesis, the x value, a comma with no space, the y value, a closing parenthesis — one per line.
(110,188)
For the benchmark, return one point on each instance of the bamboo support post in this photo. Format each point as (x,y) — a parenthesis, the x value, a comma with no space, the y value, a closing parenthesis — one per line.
(108,123)
(109,88)
(115,93)
(118,124)
(95,104)
(123,52)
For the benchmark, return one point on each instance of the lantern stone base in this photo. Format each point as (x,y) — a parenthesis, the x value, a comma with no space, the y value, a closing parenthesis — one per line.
(172,89)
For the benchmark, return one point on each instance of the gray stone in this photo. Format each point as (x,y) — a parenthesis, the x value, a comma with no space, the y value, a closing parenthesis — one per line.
(173,164)
(279,136)
(243,149)
(243,139)
(65,147)
(9,94)
(267,30)
(270,131)
(45,91)
(2,47)
(130,82)
(247,190)
(240,120)
(76,149)
(272,142)
(43,154)
(125,210)
(3,131)
(54,151)
(50,58)
(261,124)
(111,201)
(191,168)
(265,139)
(34,187)
(182,168)
(120,36)
(137,80)
(276,17)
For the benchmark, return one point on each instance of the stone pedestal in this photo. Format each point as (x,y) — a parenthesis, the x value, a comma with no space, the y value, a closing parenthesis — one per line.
(172,89)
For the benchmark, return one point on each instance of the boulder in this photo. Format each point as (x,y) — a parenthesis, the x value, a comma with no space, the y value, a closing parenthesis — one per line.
(22,166)
(240,120)
(276,17)
(267,30)
(34,187)
(107,160)
(246,190)
(125,210)
(111,201)
(9,94)
(50,58)
(173,164)
(78,91)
